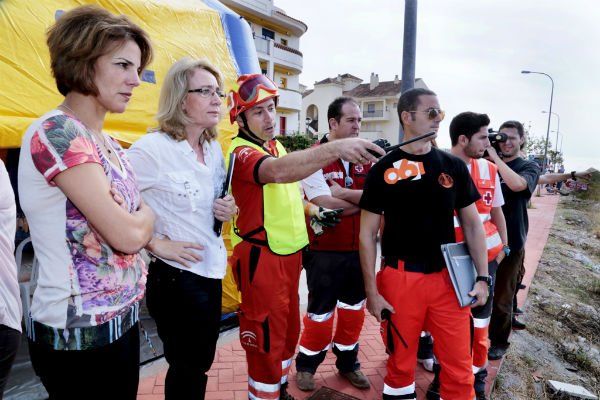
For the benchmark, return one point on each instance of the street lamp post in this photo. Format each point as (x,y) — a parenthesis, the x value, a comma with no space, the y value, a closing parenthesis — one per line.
(549,115)
(557,130)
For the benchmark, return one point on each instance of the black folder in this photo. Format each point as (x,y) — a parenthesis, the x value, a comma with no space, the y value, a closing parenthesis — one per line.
(461,269)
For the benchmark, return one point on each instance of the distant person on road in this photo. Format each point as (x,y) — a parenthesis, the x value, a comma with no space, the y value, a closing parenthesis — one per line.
(181,172)
(10,302)
(332,262)
(84,333)
(417,189)
(270,231)
(518,178)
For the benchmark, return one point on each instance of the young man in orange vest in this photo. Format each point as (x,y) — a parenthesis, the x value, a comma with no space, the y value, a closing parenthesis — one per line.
(269,232)
(469,137)
(332,263)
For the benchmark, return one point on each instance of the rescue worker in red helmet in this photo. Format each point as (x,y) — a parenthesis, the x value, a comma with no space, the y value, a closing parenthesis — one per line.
(332,263)
(269,232)
(469,138)
(417,188)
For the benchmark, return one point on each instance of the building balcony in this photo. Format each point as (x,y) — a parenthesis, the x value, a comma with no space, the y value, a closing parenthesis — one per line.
(280,54)
(370,135)
(290,99)
(376,115)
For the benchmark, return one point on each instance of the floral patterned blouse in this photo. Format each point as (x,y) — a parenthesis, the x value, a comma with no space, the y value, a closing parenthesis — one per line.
(83,282)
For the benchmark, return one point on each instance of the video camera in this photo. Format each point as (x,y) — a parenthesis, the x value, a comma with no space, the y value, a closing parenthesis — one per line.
(385,145)
(495,139)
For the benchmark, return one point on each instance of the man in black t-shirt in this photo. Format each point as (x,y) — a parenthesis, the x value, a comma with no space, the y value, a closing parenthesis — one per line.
(518,179)
(417,189)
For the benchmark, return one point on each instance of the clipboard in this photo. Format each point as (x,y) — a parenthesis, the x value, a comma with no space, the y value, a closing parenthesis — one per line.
(461,270)
(218,225)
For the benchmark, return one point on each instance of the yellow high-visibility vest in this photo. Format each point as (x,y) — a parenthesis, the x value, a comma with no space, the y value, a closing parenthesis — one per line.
(283,213)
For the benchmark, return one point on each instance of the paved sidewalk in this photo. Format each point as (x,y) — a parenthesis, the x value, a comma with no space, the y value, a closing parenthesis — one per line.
(228,378)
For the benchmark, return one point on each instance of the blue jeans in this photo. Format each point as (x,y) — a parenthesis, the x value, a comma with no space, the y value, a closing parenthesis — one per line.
(187,310)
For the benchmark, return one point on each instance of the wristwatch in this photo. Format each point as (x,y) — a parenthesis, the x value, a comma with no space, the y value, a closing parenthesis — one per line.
(506,250)
(486,279)
(573,175)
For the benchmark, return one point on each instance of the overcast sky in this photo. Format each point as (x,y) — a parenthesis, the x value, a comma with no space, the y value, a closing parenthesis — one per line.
(471,53)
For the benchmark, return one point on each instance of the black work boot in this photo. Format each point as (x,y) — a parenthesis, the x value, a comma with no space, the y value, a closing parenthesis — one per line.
(433,391)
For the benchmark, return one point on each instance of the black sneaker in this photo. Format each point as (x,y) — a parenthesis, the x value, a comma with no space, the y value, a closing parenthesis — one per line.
(521,286)
(497,352)
(433,391)
(517,325)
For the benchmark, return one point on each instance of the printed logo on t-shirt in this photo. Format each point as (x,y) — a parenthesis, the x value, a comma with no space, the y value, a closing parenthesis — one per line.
(334,175)
(244,153)
(445,180)
(404,169)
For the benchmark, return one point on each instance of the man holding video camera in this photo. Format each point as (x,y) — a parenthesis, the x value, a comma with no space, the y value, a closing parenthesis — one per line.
(519,178)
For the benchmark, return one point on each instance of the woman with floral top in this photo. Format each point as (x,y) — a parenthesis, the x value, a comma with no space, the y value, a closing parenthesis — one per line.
(181,171)
(83,331)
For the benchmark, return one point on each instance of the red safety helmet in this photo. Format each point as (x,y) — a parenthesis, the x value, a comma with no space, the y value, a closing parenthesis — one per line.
(250,90)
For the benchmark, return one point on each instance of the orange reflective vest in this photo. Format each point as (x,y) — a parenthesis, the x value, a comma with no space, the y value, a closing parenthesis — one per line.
(483,173)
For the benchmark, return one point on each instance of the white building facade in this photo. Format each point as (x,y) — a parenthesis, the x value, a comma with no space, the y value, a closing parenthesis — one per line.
(377,100)
(277,41)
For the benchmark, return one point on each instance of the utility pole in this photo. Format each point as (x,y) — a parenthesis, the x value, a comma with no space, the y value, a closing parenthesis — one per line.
(409,51)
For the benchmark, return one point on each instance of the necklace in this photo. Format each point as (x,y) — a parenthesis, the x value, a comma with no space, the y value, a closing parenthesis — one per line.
(104,143)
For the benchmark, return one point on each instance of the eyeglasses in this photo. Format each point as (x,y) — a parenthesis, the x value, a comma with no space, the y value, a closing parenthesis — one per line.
(249,89)
(208,92)
(432,113)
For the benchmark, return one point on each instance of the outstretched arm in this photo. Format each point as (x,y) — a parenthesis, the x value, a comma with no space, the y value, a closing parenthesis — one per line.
(553,178)
(300,164)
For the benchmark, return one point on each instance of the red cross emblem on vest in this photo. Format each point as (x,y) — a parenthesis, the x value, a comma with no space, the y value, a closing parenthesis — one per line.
(487,198)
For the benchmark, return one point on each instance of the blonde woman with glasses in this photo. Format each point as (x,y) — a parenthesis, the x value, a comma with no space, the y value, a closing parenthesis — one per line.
(181,172)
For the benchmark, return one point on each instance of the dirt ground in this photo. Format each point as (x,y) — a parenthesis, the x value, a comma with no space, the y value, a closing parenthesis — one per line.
(562,311)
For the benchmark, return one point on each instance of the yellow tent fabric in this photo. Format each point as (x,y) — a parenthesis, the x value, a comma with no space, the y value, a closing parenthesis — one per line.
(177,28)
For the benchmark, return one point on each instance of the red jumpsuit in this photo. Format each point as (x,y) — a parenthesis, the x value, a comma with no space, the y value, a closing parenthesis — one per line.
(334,278)
(269,312)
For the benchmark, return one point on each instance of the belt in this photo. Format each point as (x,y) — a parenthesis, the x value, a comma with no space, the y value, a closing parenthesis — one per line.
(85,338)
(423,268)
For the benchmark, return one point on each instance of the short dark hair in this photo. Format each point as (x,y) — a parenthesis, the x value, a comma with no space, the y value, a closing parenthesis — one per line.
(515,125)
(82,35)
(335,108)
(409,100)
(518,126)
(467,123)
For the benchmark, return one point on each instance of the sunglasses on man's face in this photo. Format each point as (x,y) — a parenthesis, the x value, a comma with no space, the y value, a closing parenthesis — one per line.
(432,113)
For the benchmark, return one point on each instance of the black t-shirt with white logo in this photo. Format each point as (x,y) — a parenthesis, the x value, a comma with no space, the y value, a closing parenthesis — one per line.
(418,195)
(515,203)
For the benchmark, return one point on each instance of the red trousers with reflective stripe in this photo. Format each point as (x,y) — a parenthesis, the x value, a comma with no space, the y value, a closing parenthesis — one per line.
(269,286)
(427,302)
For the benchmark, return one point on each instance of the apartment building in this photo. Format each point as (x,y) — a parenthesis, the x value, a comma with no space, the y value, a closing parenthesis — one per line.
(377,101)
(277,40)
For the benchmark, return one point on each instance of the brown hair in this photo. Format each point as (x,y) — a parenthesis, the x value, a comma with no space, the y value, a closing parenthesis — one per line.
(171,118)
(82,35)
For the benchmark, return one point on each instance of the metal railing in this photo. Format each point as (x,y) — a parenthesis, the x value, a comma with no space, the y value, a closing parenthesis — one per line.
(373,114)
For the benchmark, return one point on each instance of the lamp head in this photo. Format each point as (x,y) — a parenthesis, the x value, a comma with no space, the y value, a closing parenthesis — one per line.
(525,72)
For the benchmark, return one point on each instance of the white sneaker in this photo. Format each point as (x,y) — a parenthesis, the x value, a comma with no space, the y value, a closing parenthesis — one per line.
(427,363)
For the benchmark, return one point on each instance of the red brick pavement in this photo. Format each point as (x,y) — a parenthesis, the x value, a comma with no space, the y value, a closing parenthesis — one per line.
(228,377)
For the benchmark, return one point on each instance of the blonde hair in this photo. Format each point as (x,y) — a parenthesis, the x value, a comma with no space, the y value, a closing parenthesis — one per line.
(82,35)
(171,117)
